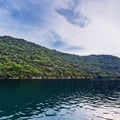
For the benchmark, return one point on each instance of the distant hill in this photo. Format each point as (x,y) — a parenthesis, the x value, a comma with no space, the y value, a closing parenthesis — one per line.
(23,59)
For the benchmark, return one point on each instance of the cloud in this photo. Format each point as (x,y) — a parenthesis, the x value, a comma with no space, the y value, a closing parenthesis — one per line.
(54,41)
(73,15)
(75,26)
(75,18)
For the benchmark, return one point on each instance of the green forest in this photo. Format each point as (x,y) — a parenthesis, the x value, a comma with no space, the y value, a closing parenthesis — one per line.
(20,59)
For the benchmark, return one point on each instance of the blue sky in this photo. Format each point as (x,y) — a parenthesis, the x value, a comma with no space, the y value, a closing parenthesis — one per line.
(80,27)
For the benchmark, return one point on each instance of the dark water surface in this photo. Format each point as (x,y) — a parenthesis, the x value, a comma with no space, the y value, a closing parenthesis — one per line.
(59,100)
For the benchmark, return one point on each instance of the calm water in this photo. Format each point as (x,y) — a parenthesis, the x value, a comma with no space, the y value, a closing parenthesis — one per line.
(59,100)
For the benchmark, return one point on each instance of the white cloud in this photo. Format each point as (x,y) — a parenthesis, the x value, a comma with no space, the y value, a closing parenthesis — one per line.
(101,36)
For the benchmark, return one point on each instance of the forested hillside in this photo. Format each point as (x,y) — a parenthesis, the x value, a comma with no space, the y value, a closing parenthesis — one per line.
(22,59)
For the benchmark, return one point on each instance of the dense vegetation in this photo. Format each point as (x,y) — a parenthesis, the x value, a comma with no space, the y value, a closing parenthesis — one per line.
(22,59)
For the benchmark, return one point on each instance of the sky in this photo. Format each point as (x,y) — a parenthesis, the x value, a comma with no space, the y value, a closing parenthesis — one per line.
(81,27)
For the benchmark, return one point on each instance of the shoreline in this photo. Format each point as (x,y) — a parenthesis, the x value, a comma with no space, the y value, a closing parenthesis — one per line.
(60,78)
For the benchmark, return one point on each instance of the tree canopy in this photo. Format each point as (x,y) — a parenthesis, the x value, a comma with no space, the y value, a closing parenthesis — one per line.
(23,59)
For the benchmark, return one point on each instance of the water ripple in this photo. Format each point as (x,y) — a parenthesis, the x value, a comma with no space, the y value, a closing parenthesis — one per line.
(60,100)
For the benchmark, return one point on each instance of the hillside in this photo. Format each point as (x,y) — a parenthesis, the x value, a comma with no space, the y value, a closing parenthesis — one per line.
(22,59)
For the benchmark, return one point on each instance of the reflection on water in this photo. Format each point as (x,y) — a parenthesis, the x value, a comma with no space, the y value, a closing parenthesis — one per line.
(59,100)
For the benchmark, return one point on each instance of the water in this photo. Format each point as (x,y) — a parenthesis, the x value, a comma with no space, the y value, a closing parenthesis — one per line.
(59,100)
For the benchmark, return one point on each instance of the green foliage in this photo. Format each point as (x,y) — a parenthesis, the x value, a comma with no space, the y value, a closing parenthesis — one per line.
(22,59)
